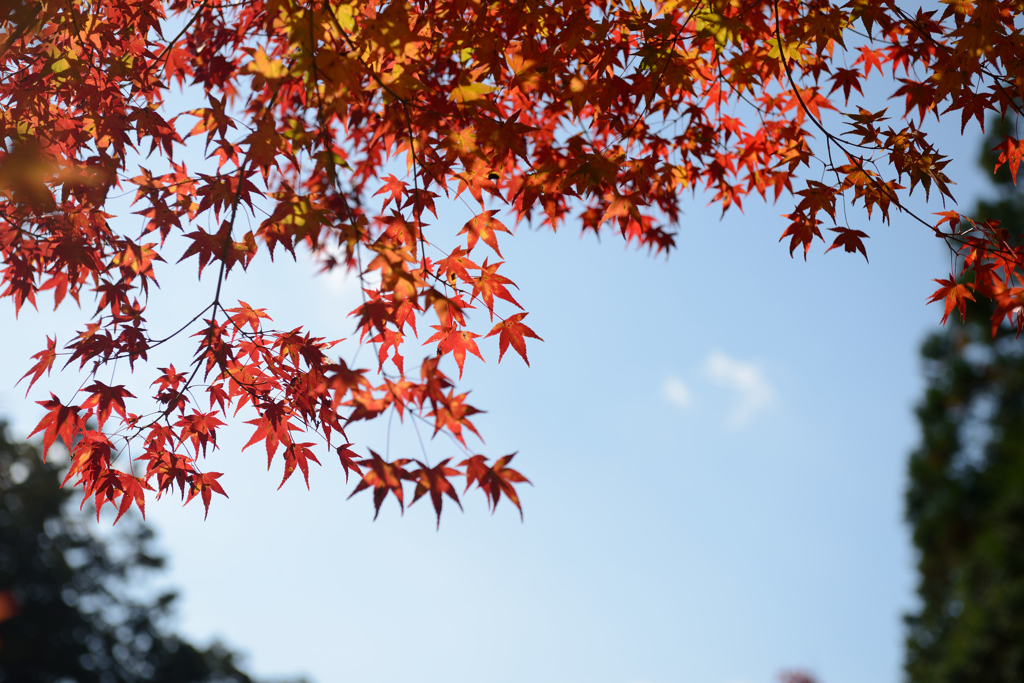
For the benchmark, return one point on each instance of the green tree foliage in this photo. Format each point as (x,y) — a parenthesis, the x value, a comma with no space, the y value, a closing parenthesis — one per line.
(966,494)
(66,602)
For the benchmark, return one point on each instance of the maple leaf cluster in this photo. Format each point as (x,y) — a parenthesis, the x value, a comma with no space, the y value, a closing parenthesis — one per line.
(600,112)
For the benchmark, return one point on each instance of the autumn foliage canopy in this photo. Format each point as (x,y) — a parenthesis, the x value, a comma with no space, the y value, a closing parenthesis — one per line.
(602,114)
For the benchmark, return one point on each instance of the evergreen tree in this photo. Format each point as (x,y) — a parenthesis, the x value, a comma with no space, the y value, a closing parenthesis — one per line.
(66,611)
(965,499)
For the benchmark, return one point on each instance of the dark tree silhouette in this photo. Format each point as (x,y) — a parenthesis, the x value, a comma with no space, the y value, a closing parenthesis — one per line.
(966,494)
(67,613)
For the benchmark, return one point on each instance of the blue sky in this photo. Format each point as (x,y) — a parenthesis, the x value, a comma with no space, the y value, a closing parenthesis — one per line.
(717,444)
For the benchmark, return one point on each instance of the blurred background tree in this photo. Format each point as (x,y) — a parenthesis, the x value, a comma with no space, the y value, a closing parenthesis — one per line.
(965,499)
(67,611)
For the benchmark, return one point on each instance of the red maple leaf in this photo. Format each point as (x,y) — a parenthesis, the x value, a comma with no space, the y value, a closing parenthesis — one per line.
(298,454)
(1010,151)
(348,460)
(484,227)
(247,315)
(204,486)
(850,240)
(801,231)
(489,285)
(272,426)
(133,490)
(60,420)
(512,331)
(105,398)
(956,296)
(44,363)
(200,428)
(395,187)
(456,342)
(384,477)
(494,480)
(434,480)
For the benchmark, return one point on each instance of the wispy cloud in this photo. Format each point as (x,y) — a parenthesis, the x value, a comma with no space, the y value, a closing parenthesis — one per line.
(339,281)
(754,392)
(677,393)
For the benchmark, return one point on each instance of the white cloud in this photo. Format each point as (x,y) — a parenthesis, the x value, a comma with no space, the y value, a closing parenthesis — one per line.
(338,282)
(754,393)
(677,393)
